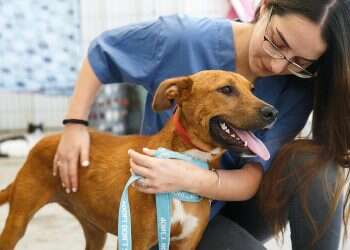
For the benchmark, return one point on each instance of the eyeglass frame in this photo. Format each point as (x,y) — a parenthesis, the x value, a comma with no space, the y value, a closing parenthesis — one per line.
(304,73)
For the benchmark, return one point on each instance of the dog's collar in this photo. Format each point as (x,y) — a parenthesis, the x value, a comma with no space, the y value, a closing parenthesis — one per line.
(199,149)
(179,129)
(184,136)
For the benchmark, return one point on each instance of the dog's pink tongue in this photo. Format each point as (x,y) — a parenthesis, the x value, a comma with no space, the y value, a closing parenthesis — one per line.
(254,144)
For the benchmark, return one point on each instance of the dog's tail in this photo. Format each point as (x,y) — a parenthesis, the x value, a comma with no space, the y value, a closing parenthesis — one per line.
(5,194)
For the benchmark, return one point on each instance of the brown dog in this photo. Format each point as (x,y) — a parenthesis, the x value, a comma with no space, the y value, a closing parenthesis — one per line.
(213,106)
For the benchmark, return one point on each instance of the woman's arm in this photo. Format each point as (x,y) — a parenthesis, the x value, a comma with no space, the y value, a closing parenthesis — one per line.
(226,185)
(169,175)
(74,145)
(86,88)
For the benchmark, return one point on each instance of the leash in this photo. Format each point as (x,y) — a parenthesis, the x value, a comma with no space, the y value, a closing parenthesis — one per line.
(163,204)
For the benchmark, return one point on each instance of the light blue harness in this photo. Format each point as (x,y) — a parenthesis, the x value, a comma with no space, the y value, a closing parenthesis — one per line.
(163,204)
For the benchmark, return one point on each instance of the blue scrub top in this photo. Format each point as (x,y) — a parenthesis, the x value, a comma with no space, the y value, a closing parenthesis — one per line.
(150,52)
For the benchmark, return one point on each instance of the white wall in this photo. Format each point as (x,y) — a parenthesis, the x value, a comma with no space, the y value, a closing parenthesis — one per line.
(18,109)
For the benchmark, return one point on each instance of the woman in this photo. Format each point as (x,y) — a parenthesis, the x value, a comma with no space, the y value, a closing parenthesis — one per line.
(297,53)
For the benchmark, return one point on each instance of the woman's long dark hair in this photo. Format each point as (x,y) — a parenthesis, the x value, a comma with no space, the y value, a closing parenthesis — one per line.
(331,119)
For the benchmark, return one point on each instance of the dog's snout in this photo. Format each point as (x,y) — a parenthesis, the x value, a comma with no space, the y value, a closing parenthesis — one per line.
(269,113)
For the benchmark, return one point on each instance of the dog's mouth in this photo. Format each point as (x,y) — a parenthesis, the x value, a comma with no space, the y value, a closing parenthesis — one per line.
(240,141)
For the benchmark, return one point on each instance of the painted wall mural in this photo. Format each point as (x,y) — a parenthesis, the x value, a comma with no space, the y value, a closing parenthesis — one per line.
(40,45)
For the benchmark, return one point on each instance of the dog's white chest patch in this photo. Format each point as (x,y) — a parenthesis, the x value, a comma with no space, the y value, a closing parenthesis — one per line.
(187,221)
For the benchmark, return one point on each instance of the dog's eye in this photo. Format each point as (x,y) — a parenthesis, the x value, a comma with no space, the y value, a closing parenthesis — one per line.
(227,90)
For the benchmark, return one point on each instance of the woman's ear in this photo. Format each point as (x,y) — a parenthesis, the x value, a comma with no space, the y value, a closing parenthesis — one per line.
(263,7)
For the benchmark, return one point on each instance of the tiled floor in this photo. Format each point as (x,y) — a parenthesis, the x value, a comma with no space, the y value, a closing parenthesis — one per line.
(53,228)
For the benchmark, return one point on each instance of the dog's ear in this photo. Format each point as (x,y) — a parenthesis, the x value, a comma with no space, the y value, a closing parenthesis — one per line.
(177,89)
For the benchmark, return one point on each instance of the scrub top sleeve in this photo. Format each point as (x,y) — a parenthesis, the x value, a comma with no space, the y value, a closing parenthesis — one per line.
(127,54)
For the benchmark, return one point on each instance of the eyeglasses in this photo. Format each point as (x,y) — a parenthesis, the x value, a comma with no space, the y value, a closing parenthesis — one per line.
(272,50)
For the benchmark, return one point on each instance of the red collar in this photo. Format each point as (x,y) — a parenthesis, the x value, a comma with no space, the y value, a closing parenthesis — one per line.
(185,138)
(180,130)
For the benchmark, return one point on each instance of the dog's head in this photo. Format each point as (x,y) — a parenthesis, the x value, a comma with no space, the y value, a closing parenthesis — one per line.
(219,108)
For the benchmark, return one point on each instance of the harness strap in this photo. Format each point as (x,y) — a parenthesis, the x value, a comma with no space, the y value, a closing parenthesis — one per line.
(163,204)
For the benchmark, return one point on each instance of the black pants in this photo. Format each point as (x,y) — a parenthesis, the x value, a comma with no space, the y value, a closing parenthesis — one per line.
(222,232)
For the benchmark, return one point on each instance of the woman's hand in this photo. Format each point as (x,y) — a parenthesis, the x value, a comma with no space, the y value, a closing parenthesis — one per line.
(74,147)
(159,175)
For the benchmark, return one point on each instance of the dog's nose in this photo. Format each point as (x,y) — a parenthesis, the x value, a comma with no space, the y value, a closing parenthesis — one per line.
(269,113)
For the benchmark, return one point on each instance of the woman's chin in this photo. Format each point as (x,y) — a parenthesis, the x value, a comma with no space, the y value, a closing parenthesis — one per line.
(264,70)
(259,71)
(256,68)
